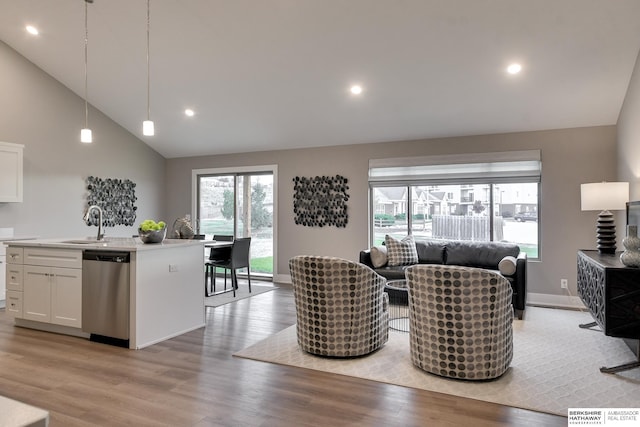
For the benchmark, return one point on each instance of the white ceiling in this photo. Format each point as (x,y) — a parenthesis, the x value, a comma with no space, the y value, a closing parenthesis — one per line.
(274,74)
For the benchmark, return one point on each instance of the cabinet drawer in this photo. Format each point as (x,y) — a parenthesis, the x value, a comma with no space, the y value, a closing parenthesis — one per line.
(15,255)
(66,258)
(14,303)
(14,277)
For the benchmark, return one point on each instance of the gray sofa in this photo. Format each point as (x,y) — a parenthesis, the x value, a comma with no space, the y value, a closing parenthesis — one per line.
(487,255)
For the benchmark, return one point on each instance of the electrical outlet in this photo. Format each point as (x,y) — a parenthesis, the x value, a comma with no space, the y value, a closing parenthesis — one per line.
(173,268)
(564,284)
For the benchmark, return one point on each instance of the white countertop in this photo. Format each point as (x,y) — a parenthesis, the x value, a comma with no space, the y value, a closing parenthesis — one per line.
(10,238)
(14,413)
(109,243)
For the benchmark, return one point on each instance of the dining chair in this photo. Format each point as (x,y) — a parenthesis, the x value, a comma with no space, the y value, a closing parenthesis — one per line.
(238,259)
(219,255)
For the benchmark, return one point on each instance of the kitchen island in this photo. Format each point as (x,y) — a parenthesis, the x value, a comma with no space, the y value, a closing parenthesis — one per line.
(166,297)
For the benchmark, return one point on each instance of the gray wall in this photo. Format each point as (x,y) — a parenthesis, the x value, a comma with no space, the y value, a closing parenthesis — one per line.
(629,136)
(42,114)
(570,157)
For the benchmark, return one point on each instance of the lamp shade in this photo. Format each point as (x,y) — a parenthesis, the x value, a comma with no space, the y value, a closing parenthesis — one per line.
(603,196)
(85,136)
(148,128)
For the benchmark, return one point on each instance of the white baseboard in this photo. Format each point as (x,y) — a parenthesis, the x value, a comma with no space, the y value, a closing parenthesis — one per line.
(559,301)
(282,278)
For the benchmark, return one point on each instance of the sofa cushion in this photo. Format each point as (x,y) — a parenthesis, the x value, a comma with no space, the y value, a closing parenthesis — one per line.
(507,266)
(378,256)
(479,254)
(401,252)
(430,251)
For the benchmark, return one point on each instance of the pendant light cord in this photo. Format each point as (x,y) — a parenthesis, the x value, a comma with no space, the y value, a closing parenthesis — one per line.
(86,43)
(148,73)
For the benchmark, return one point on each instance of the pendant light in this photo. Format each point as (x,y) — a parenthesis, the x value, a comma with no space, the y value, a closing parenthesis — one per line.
(85,133)
(147,125)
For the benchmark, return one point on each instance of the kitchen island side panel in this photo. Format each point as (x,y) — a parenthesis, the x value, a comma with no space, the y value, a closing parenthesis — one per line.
(167,293)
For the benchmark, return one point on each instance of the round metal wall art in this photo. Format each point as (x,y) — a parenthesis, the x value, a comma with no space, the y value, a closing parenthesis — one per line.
(320,201)
(117,199)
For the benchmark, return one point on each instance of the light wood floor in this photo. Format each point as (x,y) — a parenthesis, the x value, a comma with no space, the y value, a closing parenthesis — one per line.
(193,380)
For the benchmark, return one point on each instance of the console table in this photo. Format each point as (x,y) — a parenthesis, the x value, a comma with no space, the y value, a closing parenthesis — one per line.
(611,291)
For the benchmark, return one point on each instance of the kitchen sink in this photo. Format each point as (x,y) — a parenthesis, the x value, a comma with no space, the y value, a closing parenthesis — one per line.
(84,241)
(106,241)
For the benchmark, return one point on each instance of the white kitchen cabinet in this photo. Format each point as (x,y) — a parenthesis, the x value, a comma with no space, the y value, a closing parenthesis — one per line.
(70,258)
(13,277)
(36,300)
(66,297)
(11,172)
(14,304)
(15,255)
(48,287)
(52,295)
(13,281)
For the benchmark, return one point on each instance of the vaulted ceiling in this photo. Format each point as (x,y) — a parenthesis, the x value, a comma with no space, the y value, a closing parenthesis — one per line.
(275,74)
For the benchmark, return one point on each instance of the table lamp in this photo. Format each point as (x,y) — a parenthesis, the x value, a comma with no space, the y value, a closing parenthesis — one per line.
(603,197)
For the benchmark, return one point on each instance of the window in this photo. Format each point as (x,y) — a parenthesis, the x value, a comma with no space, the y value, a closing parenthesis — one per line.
(484,197)
(239,204)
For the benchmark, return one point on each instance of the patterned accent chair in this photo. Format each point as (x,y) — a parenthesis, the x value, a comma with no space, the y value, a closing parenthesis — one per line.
(341,307)
(460,321)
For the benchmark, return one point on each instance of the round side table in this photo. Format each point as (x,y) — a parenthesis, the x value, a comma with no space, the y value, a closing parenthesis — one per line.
(398,304)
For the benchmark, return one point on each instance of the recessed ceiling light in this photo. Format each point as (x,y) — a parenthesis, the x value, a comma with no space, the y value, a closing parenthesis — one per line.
(514,68)
(356,89)
(32,30)
(189,112)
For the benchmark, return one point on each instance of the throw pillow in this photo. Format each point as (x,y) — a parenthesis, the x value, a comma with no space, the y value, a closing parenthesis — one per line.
(507,266)
(401,252)
(378,256)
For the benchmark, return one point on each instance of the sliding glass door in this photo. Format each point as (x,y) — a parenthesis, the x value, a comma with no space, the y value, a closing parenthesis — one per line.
(239,204)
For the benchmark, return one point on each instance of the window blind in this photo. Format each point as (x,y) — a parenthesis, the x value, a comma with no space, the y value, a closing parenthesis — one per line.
(505,166)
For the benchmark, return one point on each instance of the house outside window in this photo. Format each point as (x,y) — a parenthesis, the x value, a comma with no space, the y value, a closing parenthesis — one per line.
(468,205)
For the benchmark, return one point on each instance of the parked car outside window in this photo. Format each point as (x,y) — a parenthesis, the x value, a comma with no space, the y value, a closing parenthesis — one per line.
(526,216)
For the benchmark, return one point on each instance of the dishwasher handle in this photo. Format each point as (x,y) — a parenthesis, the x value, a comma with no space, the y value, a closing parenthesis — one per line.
(107,256)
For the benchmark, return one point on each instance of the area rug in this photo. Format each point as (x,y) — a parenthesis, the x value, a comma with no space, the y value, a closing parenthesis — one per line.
(241,293)
(555,365)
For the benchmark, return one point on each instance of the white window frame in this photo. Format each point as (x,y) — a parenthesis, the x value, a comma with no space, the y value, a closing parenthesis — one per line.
(510,167)
(195,173)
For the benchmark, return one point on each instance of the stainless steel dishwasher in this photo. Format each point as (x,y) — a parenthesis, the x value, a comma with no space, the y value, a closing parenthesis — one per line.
(105,296)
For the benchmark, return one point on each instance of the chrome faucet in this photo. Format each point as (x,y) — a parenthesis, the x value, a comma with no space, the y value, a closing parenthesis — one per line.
(86,218)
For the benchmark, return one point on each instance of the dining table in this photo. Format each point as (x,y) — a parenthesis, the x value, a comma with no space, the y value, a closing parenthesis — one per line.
(218,243)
